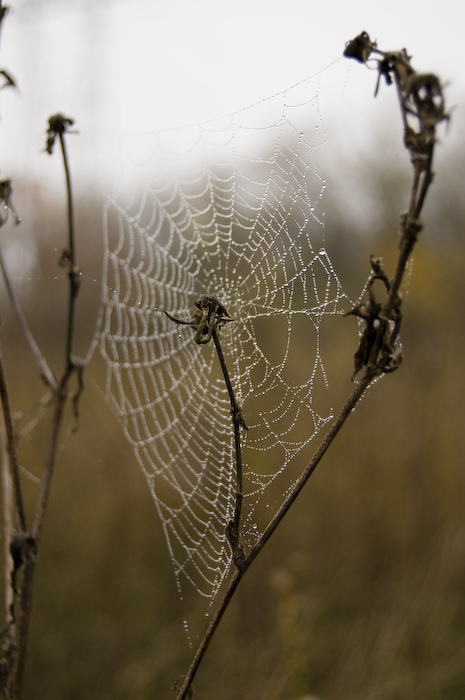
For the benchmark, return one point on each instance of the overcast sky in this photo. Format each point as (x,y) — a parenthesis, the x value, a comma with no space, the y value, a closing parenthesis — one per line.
(145,65)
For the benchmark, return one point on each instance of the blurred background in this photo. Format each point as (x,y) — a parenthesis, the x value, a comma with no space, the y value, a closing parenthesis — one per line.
(360,593)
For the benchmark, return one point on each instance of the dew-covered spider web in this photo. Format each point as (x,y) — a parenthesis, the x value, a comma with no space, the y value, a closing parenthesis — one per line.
(231,208)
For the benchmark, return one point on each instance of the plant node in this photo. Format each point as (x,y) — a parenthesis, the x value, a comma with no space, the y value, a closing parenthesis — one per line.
(208,315)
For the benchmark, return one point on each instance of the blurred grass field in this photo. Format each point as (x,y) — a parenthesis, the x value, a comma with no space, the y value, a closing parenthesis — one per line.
(358,596)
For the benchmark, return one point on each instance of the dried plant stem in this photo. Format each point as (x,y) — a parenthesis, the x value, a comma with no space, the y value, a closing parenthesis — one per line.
(419,96)
(357,393)
(50,458)
(27,546)
(11,447)
(235,412)
(370,374)
(62,391)
(30,552)
(71,257)
(209,316)
(184,690)
(7,499)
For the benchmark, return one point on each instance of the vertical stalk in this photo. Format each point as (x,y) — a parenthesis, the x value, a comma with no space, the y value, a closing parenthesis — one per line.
(71,256)
(7,530)
(238,423)
(11,447)
(57,126)
(30,552)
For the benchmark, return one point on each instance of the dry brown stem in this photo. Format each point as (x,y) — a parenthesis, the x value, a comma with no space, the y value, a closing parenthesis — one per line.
(422,108)
(23,545)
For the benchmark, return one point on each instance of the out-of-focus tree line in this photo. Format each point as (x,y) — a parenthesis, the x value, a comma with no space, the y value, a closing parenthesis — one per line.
(359,596)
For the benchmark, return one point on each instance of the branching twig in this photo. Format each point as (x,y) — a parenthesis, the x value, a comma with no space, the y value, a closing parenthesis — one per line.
(20,550)
(379,352)
(422,107)
(24,548)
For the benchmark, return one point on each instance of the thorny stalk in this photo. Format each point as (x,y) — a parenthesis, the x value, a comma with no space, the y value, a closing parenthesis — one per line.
(24,545)
(379,352)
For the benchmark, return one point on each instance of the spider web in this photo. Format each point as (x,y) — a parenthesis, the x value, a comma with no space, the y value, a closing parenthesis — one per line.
(230,208)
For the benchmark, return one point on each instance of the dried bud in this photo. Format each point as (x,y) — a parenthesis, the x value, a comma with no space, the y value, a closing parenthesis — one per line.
(57,124)
(360,48)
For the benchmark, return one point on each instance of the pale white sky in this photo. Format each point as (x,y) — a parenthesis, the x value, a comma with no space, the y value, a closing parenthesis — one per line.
(147,64)
(144,65)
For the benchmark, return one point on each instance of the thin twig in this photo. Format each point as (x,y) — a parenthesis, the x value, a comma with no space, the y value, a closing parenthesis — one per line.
(208,636)
(426,182)
(50,458)
(11,447)
(25,606)
(70,258)
(233,529)
(7,530)
(58,126)
(209,316)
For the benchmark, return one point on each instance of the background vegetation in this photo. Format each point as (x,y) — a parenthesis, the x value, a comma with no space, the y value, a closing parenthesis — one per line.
(360,593)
